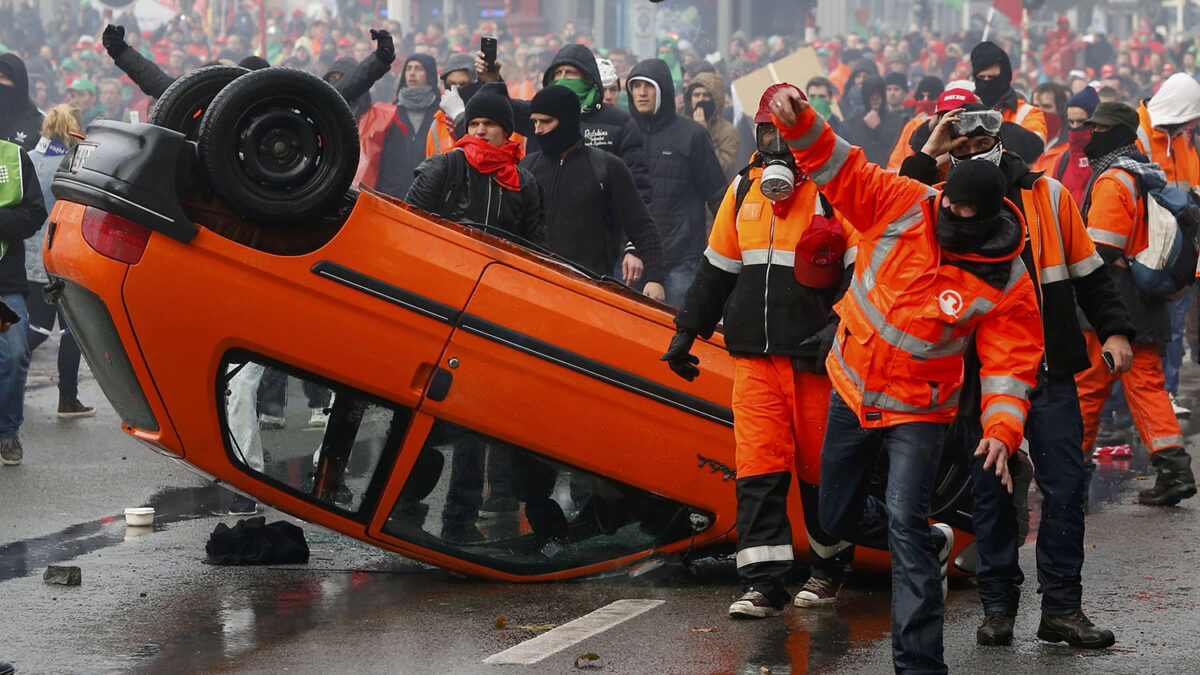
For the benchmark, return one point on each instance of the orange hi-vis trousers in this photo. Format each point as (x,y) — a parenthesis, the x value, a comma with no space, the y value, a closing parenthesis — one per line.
(1145,391)
(779,417)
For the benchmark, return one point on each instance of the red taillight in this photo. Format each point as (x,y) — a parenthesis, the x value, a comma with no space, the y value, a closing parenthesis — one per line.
(114,237)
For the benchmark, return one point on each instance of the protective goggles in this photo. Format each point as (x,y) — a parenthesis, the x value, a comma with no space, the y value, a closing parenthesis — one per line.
(978,123)
(768,140)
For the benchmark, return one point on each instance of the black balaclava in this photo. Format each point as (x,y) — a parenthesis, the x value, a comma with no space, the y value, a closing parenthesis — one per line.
(14,100)
(1104,142)
(983,56)
(563,105)
(979,183)
(979,244)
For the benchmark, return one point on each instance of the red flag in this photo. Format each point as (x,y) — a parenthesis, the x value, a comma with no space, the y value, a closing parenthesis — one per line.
(1011,9)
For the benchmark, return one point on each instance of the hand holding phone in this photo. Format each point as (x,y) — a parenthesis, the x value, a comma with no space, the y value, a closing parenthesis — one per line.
(487,45)
(8,315)
(1108,359)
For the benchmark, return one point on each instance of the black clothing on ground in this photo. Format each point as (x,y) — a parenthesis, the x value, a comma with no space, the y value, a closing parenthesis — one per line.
(476,199)
(584,219)
(20,120)
(253,542)
(684,169)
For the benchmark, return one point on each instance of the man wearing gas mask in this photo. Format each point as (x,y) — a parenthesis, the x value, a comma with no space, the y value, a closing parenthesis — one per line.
(934,270)
(774,267)
(1061,260)
(1024,125)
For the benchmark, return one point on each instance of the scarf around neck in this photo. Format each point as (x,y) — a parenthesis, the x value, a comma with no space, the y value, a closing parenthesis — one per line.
(499,162)
(416,98)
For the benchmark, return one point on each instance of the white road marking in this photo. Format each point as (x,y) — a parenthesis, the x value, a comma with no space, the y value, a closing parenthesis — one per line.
(538,648)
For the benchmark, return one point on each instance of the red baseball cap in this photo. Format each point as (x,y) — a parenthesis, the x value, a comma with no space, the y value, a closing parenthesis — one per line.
(819,253)
(955,98)
(1107,70)
(763,116)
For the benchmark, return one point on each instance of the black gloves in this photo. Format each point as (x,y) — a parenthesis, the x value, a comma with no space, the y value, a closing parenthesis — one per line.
(385,49)
(679,358)
(113,40)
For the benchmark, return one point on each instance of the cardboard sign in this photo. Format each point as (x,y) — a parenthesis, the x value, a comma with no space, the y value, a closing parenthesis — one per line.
(797,68)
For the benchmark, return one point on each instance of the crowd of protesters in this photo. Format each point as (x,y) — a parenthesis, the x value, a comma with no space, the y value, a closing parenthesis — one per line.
(1028,175)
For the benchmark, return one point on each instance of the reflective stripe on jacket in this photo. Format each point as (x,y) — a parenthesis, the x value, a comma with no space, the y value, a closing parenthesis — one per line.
(909,316)
(441,135)
(1027,117)
(903,147)
(1114,213)
(1177,156)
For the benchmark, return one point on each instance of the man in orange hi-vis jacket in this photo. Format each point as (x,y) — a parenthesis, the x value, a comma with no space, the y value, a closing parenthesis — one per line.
(773,268)
(933,269)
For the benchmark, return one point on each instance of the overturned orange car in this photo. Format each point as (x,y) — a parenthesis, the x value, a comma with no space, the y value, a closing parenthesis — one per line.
(419,385)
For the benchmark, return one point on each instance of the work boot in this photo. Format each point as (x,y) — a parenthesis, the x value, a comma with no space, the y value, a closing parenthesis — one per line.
(1110,434)
(11,452)
(1075,629)
(1174,481)
(996,630)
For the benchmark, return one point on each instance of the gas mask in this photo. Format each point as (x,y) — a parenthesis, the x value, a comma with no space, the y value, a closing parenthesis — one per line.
(779,167)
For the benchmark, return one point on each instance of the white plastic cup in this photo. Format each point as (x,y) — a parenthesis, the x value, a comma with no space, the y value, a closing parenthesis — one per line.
(141,516)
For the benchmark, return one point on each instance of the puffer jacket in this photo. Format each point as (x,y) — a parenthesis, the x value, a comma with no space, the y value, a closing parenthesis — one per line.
(913,307)
(724,135)
(477,199)
(683,166)
(747,279)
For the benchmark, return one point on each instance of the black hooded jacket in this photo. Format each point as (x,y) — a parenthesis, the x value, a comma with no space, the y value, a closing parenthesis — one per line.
(684,169)
(604,126)
(404,146)
(877,143)
(1096,293)
(20,120)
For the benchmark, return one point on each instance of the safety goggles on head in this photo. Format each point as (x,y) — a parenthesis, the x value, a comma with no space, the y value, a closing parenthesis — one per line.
(768,140)
(978,123)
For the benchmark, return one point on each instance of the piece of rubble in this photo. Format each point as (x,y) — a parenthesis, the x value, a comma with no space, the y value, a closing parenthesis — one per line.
(64,575)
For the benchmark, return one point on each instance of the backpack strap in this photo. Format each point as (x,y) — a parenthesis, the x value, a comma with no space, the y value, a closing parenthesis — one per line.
(456,166)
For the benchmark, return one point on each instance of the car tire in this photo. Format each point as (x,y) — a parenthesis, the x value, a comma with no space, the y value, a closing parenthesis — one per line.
(280,146)
(184,103)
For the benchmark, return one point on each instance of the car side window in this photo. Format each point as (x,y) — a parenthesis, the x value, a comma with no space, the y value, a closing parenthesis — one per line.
(322,440)
(488,501)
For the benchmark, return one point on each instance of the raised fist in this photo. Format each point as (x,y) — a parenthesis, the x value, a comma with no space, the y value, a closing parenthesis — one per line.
(385,49)
(113,40)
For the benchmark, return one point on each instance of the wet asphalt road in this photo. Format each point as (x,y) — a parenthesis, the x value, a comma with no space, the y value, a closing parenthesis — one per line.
(148,602)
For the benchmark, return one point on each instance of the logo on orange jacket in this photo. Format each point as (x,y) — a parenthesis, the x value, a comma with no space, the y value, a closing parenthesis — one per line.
(950,302)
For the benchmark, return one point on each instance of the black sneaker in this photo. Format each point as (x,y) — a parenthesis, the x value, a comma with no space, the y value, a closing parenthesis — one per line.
(11,452)
(1075,629)
(753,605)
(996,630)
(6,669)
(1174,482)
(242,506)
(73,408)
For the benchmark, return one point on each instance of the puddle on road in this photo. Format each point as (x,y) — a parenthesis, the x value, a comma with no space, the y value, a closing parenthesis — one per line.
(31,556)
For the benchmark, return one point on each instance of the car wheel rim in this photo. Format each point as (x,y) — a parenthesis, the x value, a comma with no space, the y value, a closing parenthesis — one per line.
(279,147)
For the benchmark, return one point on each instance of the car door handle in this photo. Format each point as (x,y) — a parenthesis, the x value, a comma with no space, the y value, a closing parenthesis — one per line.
(439,384)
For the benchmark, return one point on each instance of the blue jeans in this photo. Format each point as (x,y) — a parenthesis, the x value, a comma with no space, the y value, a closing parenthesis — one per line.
(677,279)
(1178,309)
(1055,432)
(14,366)
(900,525)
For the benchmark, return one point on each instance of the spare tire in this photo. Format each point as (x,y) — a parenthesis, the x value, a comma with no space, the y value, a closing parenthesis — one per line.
(183,104)
(279,145)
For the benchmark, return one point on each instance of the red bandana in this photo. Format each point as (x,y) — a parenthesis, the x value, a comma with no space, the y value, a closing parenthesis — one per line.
(487,158)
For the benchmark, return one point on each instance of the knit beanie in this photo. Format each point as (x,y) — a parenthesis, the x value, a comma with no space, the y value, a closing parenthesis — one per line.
(1087,98)
(491,102)
(558,102)
(980,184)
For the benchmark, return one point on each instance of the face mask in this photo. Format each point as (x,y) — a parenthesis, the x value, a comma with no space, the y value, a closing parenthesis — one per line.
(821,105)
(1104,142)
(589,94)
(992,156)
(991,91)
(1078,138)
(1054,125)
(556,141)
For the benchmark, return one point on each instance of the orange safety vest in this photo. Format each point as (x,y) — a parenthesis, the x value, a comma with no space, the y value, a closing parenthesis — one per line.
(903,149)
(1048,162)
(908,316)
(1177,156)
(440,137)
(1028,117)
(1115,211)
